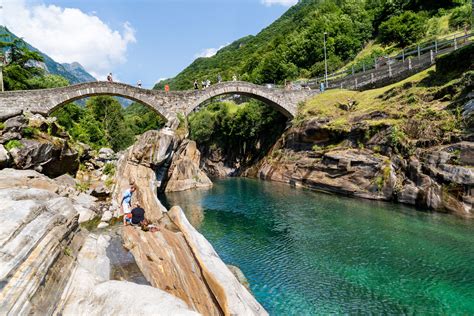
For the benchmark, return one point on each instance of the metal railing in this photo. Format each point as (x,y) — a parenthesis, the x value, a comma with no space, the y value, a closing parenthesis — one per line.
(413,58)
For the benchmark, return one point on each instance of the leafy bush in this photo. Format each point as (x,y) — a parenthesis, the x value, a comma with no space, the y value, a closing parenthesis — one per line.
(403,29)
(103,122)
(109,169)
(461,16)
(2,126)
(29,132)
(242,131)
(13,144)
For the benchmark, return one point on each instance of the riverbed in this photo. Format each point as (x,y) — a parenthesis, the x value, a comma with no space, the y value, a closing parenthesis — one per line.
(307,253)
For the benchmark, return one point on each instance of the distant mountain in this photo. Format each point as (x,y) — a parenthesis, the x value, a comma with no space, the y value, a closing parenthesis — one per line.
(73,72)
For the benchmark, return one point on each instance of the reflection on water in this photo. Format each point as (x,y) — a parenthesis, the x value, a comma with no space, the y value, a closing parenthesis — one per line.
(307,253)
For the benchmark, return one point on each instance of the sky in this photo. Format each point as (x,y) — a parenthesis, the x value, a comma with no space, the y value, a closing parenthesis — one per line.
(146,40)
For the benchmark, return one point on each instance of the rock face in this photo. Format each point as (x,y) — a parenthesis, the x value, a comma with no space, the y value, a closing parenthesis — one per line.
(184,173)
(91,292)
(176,259)
(438,178)
(37,225)
(38,144)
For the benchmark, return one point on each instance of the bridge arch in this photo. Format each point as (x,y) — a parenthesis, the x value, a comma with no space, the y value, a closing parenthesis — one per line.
(278,99)
(91,89)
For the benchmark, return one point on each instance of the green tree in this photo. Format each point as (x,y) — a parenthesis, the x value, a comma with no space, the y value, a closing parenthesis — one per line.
(404,29)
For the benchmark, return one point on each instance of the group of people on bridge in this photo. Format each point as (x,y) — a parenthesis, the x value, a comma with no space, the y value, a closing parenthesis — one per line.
(207,83)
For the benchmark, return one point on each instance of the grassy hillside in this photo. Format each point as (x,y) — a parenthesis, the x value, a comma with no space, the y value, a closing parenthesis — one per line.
(423,110)
(292,46)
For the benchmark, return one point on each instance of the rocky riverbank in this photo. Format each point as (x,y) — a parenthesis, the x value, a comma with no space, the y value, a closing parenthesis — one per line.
(177,259)
(51,265)
(404,143)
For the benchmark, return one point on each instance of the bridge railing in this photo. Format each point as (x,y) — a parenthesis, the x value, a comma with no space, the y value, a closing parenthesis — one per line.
(410,60)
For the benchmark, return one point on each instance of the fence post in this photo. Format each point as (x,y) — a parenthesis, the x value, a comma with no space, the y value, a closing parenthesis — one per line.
(409,64)
(352,69)
(341,85)
(390,70)
(356,85)
(375,63)
(436,46)
(455,43)
(372,77)
(363,66)
(403,55)
(419,51)
(431,56)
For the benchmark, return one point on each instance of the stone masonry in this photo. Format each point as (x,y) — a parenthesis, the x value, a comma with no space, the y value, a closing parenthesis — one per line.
(166,104)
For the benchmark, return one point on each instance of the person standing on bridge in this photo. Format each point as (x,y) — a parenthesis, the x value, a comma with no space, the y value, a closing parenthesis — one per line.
(109,77)
(167,88)
(234,77)
(219,78)
(196,86)
(139,83)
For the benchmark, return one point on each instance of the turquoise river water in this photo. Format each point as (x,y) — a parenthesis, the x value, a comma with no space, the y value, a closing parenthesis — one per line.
(307,253)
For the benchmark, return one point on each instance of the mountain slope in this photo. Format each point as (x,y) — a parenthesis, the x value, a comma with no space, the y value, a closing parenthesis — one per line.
(73,72)
(293,46)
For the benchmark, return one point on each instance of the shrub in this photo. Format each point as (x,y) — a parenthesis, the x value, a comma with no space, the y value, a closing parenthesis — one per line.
(316,148)
(460,17)
(82,186)
(109,169)
(403,29)
(13,144)
(29,132)
(2,125)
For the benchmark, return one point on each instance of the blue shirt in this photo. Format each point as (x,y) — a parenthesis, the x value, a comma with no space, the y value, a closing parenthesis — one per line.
(127,196)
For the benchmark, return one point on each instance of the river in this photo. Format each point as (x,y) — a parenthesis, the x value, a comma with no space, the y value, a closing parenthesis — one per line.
(307,253)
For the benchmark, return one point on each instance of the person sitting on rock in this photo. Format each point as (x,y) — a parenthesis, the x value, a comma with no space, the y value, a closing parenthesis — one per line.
(127,204)
(138,215)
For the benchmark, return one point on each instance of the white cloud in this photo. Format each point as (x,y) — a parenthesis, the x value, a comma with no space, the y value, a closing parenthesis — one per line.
(68,34)
(209,52)
(286,3)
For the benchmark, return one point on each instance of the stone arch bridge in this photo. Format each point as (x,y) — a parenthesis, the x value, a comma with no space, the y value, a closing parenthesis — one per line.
(166,104)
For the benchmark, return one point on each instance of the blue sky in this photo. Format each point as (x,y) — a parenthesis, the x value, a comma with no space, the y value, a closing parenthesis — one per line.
(136,40)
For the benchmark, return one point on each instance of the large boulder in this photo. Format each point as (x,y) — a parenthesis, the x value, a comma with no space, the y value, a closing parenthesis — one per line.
(106,154)
(91,292)
(184,173)
(37,226)
(51,158)
(15,124)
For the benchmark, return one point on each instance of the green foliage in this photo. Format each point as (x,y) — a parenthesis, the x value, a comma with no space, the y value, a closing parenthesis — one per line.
(317,148)
(141,119)
(47,81)
(403,29)
(2,126)
(245,130)
(109,169)
(461,17)
(109,182)
(83,186)
(292,46)
(104,123)
(13,144)
(29,132)
(21,71)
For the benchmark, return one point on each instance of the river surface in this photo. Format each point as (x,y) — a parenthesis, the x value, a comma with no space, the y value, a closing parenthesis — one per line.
(307,253)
